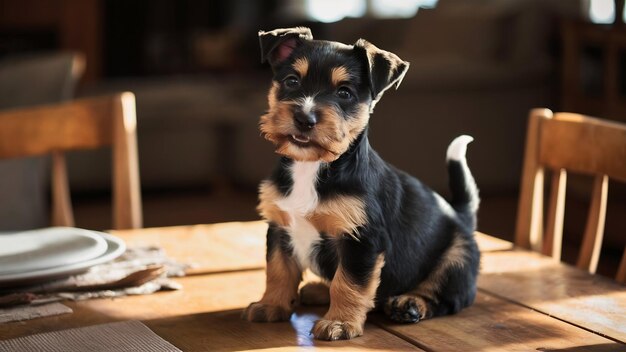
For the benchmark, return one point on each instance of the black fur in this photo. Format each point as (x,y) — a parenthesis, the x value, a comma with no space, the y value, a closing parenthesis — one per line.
(405,221)
(277,240)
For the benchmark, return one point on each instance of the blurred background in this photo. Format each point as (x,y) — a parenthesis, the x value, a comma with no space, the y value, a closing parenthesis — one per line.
(477,67)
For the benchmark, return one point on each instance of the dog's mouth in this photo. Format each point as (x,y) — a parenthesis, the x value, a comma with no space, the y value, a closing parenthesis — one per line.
(300,140)
(301,147)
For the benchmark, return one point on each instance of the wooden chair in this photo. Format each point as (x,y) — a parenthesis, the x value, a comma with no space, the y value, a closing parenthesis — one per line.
(30,80)
(80,124)
(581,144)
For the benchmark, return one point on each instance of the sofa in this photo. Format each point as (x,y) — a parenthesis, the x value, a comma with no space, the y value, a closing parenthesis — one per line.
(475,68)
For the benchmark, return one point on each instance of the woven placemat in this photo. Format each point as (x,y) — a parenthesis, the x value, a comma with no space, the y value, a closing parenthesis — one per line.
(21,313)
(122,336)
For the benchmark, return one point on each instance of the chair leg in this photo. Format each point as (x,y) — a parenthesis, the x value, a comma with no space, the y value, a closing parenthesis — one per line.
(62,214)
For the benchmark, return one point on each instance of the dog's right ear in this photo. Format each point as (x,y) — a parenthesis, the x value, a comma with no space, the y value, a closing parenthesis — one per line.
(386,69)
(277,45)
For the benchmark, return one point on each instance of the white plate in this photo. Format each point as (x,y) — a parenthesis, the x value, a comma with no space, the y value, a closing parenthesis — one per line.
(115,248)
(27,251)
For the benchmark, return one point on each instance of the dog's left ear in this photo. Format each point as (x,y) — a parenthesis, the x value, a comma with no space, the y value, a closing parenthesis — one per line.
(386,69)
(277,45)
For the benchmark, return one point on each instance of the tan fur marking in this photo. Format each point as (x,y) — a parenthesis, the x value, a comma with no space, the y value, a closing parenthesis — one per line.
(278,117)
(358,122)
(336,133)
(281,290)
(283,277)
(331,137)
(341,215)
(301,65)
(271,95)
(339,74)
(455,255)
(349,304)
(268,196)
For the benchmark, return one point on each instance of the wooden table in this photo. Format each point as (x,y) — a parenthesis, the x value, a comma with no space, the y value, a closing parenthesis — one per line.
(526,302)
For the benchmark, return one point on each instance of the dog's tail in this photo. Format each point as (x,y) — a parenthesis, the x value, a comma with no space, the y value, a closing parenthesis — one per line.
(465,198)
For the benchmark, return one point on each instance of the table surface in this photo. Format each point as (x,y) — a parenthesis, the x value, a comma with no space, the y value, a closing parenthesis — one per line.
(525,302)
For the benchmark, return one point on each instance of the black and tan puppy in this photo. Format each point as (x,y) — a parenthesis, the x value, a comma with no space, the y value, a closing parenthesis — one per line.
(377,236)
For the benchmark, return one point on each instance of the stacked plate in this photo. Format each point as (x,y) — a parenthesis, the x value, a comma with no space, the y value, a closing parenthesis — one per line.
(40,255)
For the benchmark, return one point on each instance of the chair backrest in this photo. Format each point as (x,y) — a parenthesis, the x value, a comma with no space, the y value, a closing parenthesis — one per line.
(80,124)
(30,80)
(564,142)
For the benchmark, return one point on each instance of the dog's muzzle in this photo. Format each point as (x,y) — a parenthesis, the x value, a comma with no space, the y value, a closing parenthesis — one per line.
(305,121)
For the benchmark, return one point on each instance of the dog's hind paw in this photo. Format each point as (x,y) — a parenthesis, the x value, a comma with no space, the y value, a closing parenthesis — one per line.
(315,294)
(406,308)
(332,330)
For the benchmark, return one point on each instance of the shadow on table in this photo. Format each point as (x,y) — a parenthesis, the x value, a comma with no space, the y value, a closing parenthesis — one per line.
(226,331)
(605,347)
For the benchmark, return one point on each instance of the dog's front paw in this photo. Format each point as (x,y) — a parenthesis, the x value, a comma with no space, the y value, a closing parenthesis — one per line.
(261,312)
(336,330)
(406,308)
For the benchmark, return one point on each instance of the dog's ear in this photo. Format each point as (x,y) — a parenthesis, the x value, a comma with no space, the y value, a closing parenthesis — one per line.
(277,45)
(386,69)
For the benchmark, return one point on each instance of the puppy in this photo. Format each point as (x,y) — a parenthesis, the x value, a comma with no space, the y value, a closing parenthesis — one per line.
(375,235)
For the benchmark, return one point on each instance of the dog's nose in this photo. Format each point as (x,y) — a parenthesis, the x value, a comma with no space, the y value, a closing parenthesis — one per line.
(305,121)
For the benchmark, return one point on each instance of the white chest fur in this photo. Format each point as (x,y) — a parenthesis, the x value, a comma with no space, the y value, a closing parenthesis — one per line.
(302,200)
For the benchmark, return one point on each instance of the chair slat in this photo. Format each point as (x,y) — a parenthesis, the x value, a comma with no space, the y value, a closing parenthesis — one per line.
(553,240)
(62,214)
(529,227)
(126,186)
(594,231)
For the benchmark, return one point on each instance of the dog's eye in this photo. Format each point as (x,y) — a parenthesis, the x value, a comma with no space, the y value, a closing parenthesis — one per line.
(344,93)
(291,82)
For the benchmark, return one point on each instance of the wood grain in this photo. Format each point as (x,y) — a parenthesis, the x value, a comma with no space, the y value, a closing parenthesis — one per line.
(206,316)
(230,246)
(209,248)
(526,301)
(488,243)
(81,124)
(583,144)
(493,324)
(556,289)
(213,252)
(225,331)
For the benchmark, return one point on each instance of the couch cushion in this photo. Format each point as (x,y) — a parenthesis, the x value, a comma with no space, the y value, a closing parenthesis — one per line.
(476,35)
